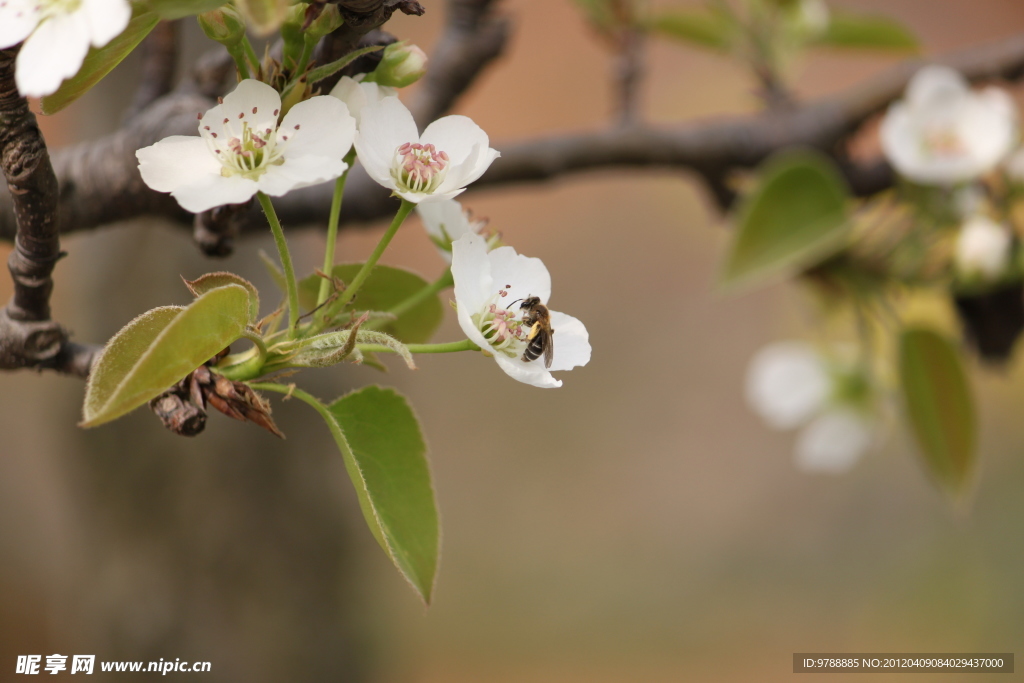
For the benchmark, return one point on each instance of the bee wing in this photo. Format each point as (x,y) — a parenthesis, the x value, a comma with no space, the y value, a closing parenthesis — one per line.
(549,347)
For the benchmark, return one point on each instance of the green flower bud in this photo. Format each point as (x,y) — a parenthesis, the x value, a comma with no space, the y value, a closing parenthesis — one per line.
(402,64)
(329,20)
(224,25)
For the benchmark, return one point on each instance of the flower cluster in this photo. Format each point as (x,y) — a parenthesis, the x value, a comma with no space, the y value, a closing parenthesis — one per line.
(789,384)
(243,148)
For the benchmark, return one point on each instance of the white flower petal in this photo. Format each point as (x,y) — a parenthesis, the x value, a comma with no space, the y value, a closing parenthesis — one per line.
(833,442)
(175,162)
(214,190)
(299,172)
(444,219)
(524,275)
(474,285)
(320,127)
(356,95)
(18,18)
(571,340)
(935,83)
(53,52)
(787,383)
(251,102)
(385,126)
(107,18)
(456,136)
(533,373)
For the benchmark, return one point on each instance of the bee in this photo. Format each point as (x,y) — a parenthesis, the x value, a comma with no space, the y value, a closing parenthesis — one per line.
(540,339)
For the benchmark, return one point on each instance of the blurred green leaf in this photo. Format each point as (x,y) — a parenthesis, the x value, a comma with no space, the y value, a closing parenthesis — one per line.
(159,348)
(263,16)
(865,31)
(205,283)
(939,405)
(598,12)
(386,287)
(100,61)
(706,27)
(795,218)
(385,456)
(176,9)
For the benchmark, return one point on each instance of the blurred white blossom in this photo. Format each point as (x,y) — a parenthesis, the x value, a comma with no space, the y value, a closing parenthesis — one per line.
(943,133)
(983,248)
(789,384)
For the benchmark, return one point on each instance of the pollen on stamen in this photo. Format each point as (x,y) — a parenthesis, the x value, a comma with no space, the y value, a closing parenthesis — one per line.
(199,116)
(213,134)
(220,100)
(254,110)
(241,114)
(296,126)
(276,111)
(225,120)
(206,128)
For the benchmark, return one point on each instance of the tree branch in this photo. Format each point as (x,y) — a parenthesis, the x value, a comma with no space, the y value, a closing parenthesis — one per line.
(159,63)
(100,182)
(28,338)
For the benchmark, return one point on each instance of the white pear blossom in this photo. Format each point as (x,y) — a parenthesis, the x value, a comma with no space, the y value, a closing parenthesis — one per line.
(789,384)
(57,35)
(834,441)
(983,248)
(356,94)
(488,282)
(943,133)
(446,221)
(242,150)
(452,152)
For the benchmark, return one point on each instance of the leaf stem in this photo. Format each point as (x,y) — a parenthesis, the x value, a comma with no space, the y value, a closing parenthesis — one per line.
(286,263)
(448,347)
(353,287)
(332,228)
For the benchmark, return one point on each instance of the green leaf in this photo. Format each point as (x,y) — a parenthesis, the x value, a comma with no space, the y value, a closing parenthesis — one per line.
(263,16)
(940,407)
(795,218)
(205,283)
(159,348)
(322,72)
(707,28)
(100,61)
(867,32)
(385,456)
(386,287)
(176,9)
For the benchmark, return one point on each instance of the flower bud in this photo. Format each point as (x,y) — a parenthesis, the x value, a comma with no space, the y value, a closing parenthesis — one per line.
(402,64)
(224,25)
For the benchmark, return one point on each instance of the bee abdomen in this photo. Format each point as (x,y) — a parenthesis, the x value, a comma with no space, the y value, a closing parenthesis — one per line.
(534,349)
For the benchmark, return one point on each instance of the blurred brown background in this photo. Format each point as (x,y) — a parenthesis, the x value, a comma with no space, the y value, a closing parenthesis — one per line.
(656,531)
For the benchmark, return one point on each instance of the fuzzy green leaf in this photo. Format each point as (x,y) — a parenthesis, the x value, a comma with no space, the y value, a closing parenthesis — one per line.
(939,405)
(385,456)
(386,287)
(205,283)
(159,348)
(795,218)
(865,31)
(100,61)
